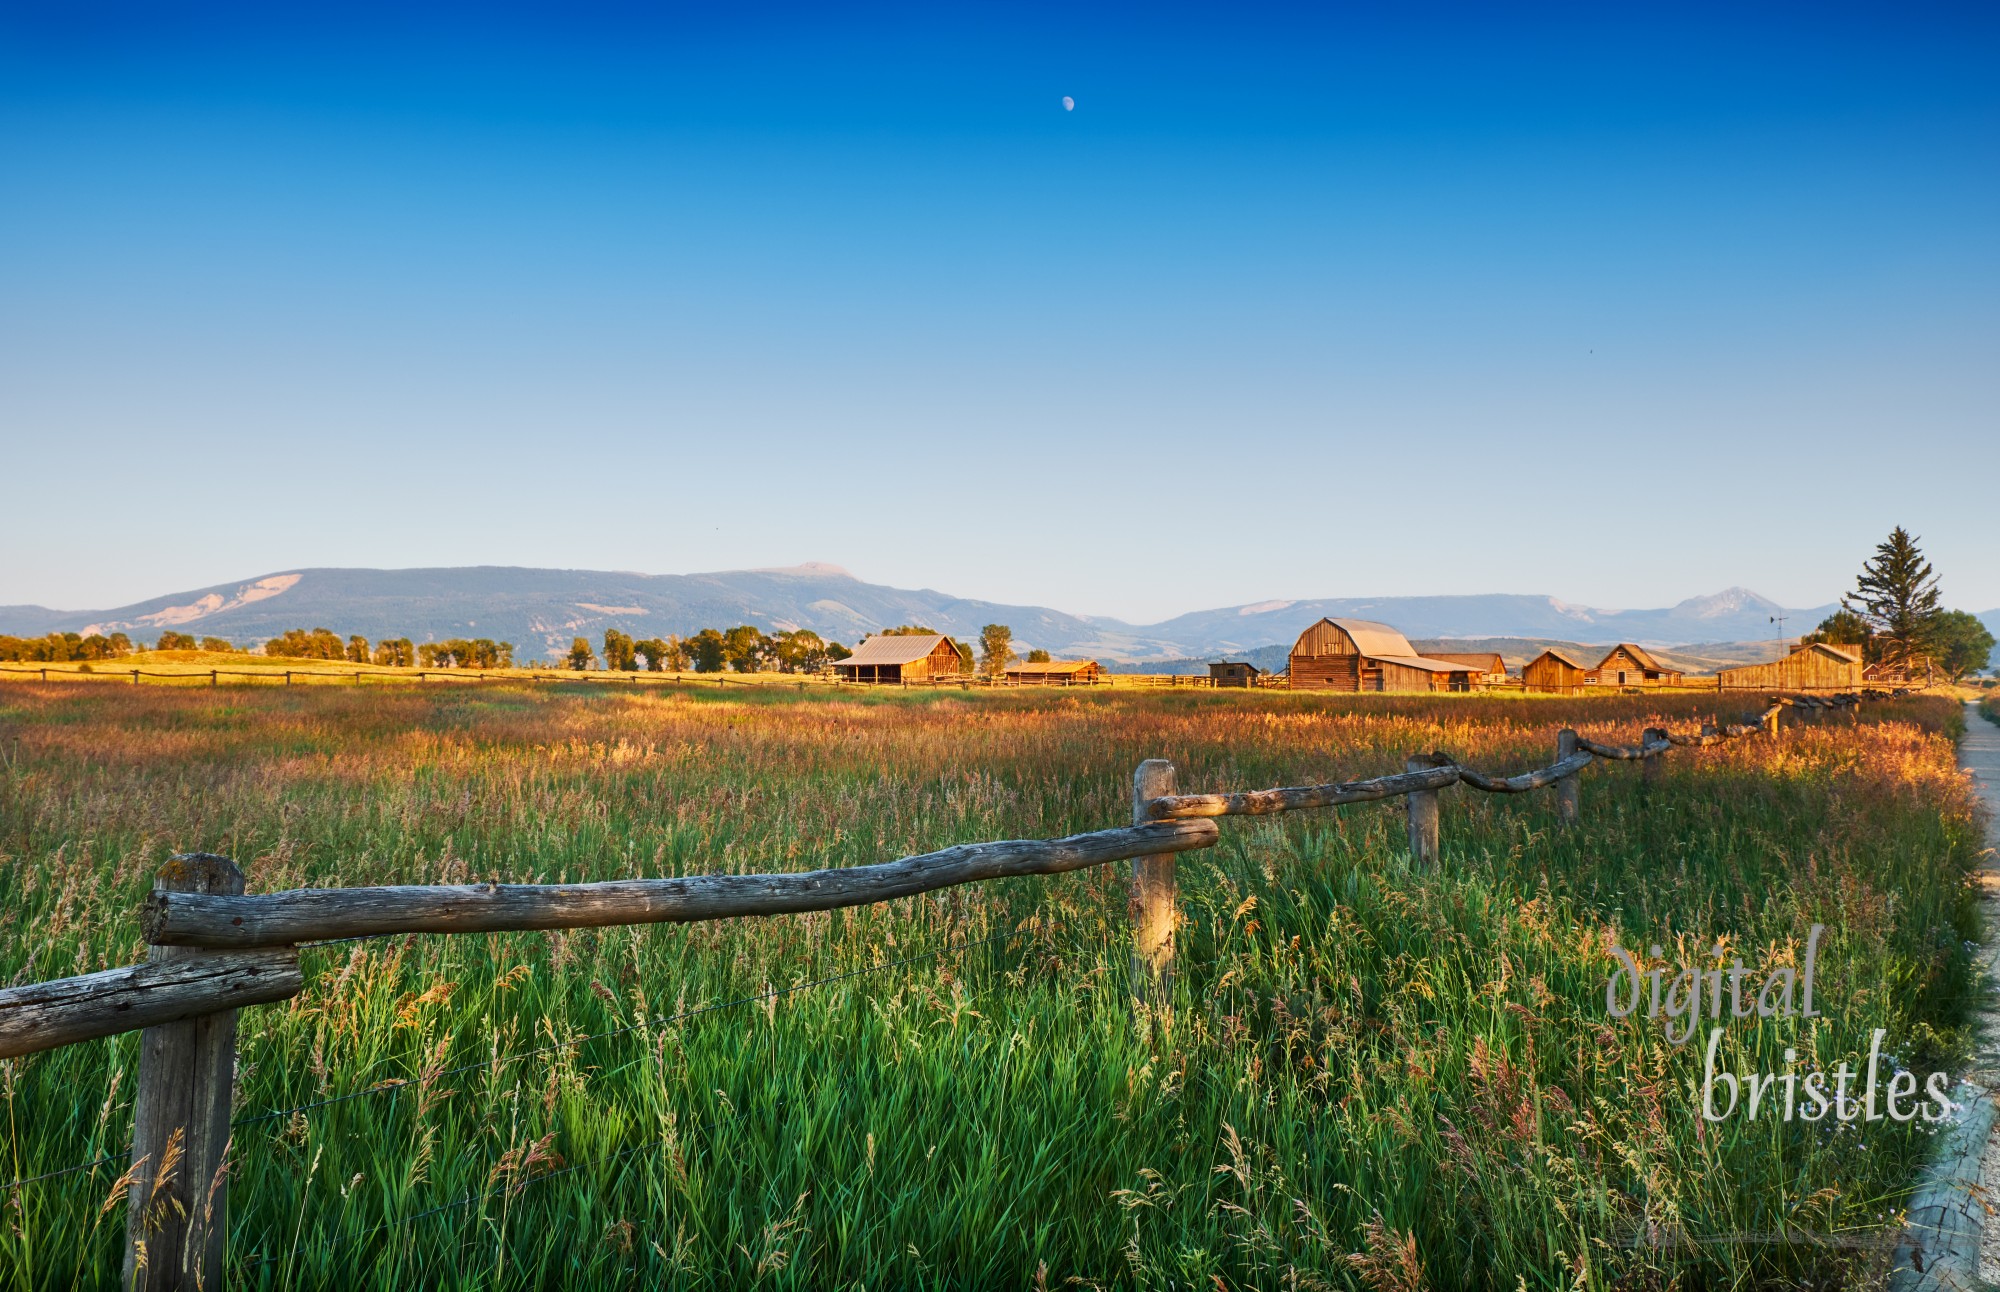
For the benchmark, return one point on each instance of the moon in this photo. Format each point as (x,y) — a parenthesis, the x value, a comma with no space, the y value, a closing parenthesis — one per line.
(1069,104)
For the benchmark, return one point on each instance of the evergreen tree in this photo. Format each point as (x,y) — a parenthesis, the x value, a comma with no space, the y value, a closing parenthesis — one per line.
(1896,593)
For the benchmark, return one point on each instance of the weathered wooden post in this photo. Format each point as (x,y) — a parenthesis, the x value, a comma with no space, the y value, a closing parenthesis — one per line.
(211,679)
(1771,720)
(135,677)
(175,1226)
(1655,767)
(1423,806)
(1568,791)
(1152,896)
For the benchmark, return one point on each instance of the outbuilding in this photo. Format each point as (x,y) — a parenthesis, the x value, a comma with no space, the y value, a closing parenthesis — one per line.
(1812,666)
(915,658)
(1055,672)
(1362,655)
(1491,669)
(1629,665)
(1233,673)
(1554,671)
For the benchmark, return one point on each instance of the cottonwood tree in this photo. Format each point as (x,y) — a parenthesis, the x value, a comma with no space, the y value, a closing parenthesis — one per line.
(705,651)
(580,655)
(357,650)
(176,641)
(396,652)
(1961,644)
(1897,594)
(1038,656)
(746,648)
(218,645)
(619,656)
(996,649)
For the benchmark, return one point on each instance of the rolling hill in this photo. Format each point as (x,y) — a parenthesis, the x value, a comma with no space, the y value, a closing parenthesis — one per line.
(541,610)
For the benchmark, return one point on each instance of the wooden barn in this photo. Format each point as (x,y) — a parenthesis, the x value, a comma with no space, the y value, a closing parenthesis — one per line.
(1233,673)
(1362,655)
(900,659)
(1629,665)
(1055,672)
(1489,667)
(1555,672)
(1813,666)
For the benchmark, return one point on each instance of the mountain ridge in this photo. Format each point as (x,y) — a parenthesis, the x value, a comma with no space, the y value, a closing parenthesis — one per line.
(541,609)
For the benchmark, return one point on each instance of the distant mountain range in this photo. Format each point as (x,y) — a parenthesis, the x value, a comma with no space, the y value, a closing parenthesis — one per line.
(541,610)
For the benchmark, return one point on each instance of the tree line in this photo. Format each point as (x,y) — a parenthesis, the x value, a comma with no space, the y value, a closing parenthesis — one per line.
(1895,617)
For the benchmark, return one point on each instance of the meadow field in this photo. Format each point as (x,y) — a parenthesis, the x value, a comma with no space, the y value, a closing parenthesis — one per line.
(1372,1075)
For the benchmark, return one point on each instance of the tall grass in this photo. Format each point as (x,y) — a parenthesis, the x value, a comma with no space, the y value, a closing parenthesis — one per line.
(1371,1076)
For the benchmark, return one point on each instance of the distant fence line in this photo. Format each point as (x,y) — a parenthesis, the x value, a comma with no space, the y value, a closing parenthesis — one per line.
(214,949)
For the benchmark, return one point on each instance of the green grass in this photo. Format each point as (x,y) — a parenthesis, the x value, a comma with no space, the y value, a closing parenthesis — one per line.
(1362,1060)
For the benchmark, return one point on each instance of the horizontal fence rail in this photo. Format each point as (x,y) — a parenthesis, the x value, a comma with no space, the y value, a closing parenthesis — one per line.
(213,950)
(315,914)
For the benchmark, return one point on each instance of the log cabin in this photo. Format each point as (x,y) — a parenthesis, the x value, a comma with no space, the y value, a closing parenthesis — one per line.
(1812,666)
(1555,672)
(1629,665)
(1362,655)
(892,660)
(1233,673)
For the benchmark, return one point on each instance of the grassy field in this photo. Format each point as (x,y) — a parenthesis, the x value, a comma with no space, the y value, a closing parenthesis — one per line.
(1372,1077)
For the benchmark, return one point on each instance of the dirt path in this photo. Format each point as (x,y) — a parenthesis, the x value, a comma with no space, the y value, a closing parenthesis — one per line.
(1949,1243)
(1979,753)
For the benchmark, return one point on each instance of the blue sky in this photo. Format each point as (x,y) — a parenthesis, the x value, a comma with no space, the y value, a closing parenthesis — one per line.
(1294,303)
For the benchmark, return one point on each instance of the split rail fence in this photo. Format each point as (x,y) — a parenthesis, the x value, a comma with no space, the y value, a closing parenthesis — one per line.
(213,949)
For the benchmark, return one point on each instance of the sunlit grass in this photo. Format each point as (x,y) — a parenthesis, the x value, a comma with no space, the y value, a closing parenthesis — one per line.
(1354,1044)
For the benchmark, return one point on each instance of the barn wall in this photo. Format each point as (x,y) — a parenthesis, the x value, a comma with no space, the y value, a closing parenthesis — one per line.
(1326,672)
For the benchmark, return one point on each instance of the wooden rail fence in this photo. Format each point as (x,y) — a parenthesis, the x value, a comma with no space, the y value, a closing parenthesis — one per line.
(213,950)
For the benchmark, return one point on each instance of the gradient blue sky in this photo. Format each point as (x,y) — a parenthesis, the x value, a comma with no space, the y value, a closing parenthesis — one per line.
(1360,301)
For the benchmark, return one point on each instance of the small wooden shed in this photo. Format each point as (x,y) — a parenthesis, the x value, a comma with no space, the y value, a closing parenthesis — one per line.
(1055,672)
(1812,666)
(1555,672)
(1233,673)
(1362,655)
(1629,665)
(915,658)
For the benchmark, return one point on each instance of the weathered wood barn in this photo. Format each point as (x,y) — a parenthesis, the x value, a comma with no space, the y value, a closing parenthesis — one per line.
(1555,672)
(1362,655)
(1055,672)
(1629,665)
(1491,669)
(1233,673)
(916,658)
(1812,666)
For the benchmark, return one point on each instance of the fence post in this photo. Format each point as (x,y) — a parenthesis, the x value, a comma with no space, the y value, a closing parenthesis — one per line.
(1569,793)
(1771,721)
(175,1228)
(1152,896)
(211,679)
(135,677)
(1423,806)
(1655,766)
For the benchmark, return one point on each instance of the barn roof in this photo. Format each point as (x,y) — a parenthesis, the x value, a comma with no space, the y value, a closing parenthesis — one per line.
(1375,640)
(1427,665)
(1484,661)
(1638,653)
(1840,653)
(1560,657)
(1235,663)
(1053,666)
(894,650)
